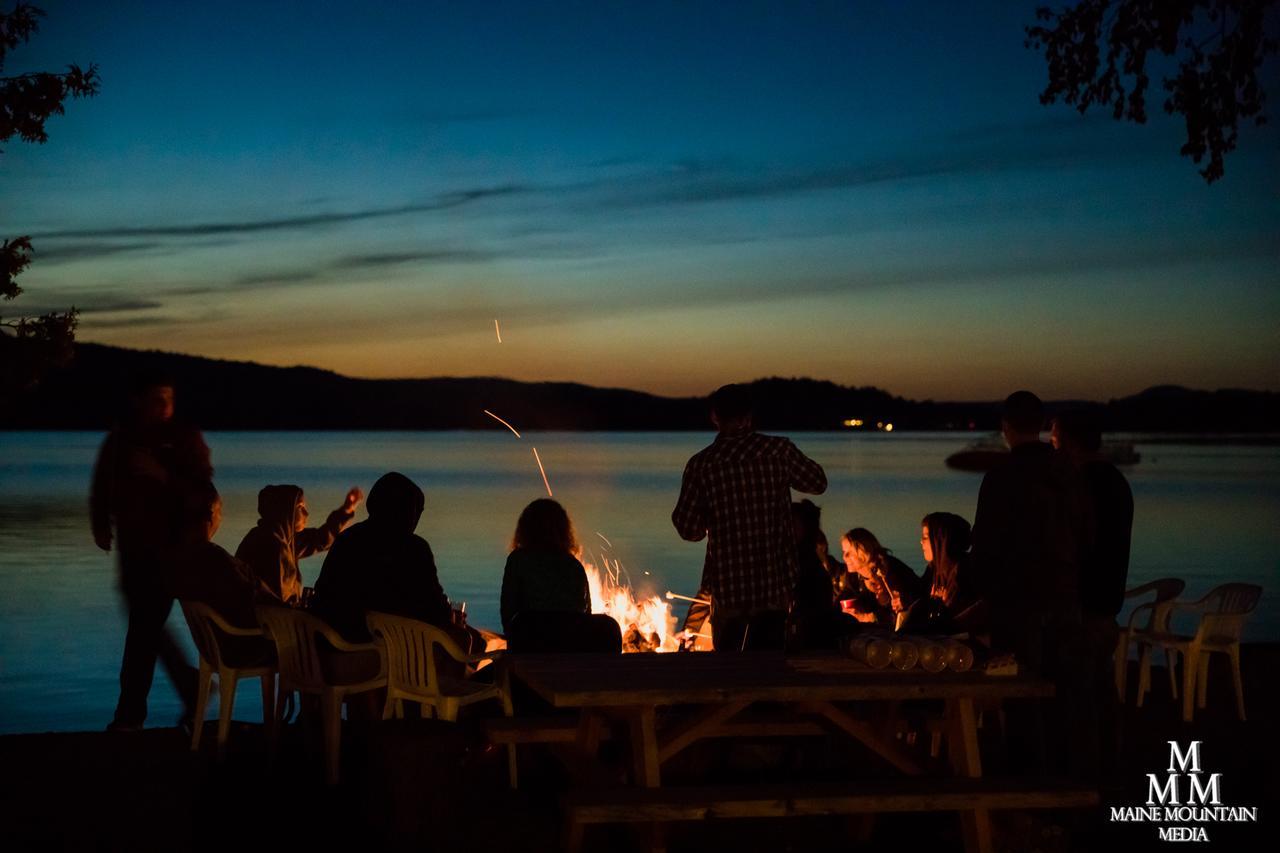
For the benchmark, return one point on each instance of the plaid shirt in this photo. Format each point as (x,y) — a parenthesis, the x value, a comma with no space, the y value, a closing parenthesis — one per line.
(737,493)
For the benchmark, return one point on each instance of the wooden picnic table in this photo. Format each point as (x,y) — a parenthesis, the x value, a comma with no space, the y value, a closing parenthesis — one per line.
(816,686)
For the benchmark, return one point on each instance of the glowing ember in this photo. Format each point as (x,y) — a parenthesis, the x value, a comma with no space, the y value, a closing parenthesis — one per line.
(497,329)
(647,624)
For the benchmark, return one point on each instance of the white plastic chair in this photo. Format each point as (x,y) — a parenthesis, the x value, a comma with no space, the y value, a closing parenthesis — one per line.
(1224,610)
(294,633)
(206,625)
(409,649)
(1166,590)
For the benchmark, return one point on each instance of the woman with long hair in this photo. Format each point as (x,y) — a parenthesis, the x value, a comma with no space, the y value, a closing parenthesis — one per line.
(882,586)
(953,602)
(543,573)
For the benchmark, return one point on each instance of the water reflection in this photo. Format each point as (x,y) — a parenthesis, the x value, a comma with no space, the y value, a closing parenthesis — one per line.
(1205,514)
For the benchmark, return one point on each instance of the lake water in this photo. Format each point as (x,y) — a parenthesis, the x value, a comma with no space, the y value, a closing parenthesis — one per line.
(1207,514)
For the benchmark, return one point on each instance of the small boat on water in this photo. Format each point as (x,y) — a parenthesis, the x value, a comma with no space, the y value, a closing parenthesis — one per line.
(990,451)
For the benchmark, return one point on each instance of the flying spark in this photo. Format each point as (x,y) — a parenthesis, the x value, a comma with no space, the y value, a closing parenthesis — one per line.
(497,330)
(504,423)
(541,469)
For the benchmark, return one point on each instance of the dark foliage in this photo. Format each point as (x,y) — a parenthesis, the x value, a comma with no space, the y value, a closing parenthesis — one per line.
(1097,53)
(29,346)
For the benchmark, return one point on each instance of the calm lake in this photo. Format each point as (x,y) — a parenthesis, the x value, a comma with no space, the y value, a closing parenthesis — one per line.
(1205,513)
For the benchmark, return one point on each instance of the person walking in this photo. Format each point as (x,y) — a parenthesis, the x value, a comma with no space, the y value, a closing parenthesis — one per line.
(144,469)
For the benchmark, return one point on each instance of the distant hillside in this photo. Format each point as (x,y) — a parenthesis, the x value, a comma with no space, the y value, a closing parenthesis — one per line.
(243,395)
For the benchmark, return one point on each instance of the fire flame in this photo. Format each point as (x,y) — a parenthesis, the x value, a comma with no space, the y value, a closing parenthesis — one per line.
(647,623)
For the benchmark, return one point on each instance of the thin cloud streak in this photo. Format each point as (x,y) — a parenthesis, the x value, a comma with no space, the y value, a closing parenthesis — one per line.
(446,201)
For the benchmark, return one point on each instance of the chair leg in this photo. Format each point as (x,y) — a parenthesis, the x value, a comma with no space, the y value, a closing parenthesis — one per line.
(389,706)
(226,701)
(331,715)
(269,705)
(278,710)
(1234,653)
(448,709)
(1190,665)
(1122,665)
(205,677)
(1169,657)
(1202,681)
(1144,674)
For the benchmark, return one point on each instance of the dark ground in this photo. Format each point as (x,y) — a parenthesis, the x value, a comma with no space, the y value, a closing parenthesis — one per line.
(426,785)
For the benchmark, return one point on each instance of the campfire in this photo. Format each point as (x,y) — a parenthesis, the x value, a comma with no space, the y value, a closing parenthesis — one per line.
(647,623)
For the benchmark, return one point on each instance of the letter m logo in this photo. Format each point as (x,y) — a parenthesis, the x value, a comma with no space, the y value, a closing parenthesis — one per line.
(1207,794)
(1156,794)
(1188,762)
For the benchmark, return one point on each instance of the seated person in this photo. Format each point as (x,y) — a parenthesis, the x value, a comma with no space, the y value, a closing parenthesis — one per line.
(543,573)
(205,572)
(816,619)
(380,564)
(888,586)
(951,603)
(282,538)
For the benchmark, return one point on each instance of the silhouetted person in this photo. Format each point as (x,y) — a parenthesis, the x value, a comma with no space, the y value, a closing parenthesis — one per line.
(736,493)
(205,572)
(380,564)
(145,468)
(543,573)
(886,586)
(282,538)
(1105,570)
(1030,532)
(815,618)
(951,601)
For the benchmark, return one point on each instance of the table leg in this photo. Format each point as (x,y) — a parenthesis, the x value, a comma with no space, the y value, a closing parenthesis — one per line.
(966,762)
(644,747)
(647,768)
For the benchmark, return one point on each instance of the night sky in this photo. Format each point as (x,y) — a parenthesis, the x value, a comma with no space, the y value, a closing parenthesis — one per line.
(664,196)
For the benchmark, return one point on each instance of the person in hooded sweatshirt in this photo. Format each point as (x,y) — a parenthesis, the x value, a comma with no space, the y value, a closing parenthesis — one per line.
(381,564)
(281,538)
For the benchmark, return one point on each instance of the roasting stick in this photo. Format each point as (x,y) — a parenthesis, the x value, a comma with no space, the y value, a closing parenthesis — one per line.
(672,595)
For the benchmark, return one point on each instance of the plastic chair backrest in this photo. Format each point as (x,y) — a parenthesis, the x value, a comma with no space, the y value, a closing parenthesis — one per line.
(1226,608)
(294,633)
(1166,590)
(408,647)
(200,619)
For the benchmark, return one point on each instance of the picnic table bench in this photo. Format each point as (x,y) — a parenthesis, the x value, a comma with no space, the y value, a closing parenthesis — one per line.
(820,692)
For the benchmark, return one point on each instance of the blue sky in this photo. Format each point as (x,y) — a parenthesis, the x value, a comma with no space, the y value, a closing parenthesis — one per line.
(665,196)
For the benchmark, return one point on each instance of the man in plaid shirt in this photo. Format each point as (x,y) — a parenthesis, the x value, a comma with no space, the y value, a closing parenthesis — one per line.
(737,494)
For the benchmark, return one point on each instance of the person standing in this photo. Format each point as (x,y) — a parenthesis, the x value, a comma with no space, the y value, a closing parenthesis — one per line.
(1105,573)
(736,493)
(145,468)
(1031,532)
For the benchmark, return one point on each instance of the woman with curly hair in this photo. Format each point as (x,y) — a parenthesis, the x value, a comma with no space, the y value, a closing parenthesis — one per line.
(543,573)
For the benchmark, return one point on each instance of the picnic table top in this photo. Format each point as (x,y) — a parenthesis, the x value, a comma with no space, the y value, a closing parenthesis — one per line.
(598,680)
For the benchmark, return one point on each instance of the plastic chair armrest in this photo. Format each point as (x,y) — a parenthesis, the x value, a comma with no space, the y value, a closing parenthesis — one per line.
(333,639)
(1150,605)
(233,630)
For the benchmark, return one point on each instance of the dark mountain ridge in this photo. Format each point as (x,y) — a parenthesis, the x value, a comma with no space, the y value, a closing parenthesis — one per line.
(221,394)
